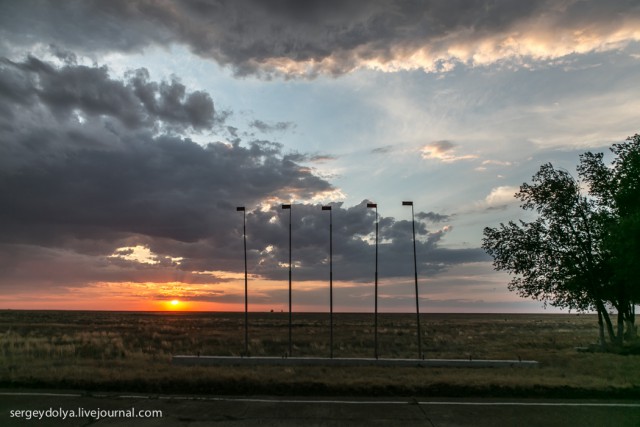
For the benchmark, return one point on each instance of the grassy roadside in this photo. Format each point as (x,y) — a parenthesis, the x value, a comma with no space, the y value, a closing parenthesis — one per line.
(131,352)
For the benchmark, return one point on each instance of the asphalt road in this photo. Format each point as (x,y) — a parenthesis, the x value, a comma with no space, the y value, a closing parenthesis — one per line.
(16,406)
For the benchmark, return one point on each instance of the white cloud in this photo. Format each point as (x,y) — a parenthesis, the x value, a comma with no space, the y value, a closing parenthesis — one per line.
(500,196)
(496,162)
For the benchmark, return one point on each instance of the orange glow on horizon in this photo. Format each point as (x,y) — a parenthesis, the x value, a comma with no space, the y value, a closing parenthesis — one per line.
(309,296)
(175,305)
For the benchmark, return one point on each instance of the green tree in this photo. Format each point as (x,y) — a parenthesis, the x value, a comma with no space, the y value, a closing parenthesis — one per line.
(582,251)
(557,258)
(616,190)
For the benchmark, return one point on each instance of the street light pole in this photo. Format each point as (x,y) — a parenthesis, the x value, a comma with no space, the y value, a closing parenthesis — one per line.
(290,342)
(415,270)
(328,208)
(375,321)
(246,298)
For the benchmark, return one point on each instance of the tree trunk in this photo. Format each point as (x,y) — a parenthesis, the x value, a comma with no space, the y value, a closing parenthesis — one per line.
(607,319)
(620,325)
(631,332)
(601,338)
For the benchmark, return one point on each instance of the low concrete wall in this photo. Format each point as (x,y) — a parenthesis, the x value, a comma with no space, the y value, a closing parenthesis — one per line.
(317,361)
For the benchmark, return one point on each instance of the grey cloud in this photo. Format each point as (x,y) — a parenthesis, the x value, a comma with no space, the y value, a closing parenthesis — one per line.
(74,191)
(91,26)
(163,186)
(306,38)
(114,180)
(66,56)
(314,158)
(25,267)
(432,216)
(442,146)
(268,128)
(168,101)
(403,229)
(382,150)
(321,158)
(353,255)
(137,103)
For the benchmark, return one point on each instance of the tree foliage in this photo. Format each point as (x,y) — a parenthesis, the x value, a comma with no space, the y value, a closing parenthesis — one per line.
(582,250)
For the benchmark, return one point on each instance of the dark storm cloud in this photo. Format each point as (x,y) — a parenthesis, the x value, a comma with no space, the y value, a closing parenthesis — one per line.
(83,159)
(163,186)
(305,38)
(353,248)
(136,103)
(87,174)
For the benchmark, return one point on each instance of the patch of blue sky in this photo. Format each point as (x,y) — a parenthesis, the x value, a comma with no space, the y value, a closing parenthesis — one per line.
(502,121)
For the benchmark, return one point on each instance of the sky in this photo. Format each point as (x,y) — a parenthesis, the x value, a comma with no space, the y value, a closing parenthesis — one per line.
(130,131)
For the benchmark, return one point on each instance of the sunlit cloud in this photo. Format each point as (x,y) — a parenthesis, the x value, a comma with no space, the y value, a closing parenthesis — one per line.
(444,151)
(334,195)
(338,38)
(142,255)
(524,44)
(534,41)
(221,275)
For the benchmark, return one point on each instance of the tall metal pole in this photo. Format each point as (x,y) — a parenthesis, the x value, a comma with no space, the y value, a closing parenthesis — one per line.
(246,298)
(415,270)
(290,341)
(375,317)
(328,208)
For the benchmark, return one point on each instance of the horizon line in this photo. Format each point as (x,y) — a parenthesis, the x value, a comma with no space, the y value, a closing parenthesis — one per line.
(299,312)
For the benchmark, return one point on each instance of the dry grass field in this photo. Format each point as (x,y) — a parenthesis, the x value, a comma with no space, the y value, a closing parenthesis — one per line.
(132,352)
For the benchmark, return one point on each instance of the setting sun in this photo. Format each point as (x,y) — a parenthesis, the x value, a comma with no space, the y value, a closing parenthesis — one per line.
(174,305)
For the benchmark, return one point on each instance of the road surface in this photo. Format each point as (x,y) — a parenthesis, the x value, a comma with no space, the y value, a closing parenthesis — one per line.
(47,408)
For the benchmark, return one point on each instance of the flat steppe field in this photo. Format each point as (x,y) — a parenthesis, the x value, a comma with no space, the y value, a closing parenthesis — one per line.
(131,351)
